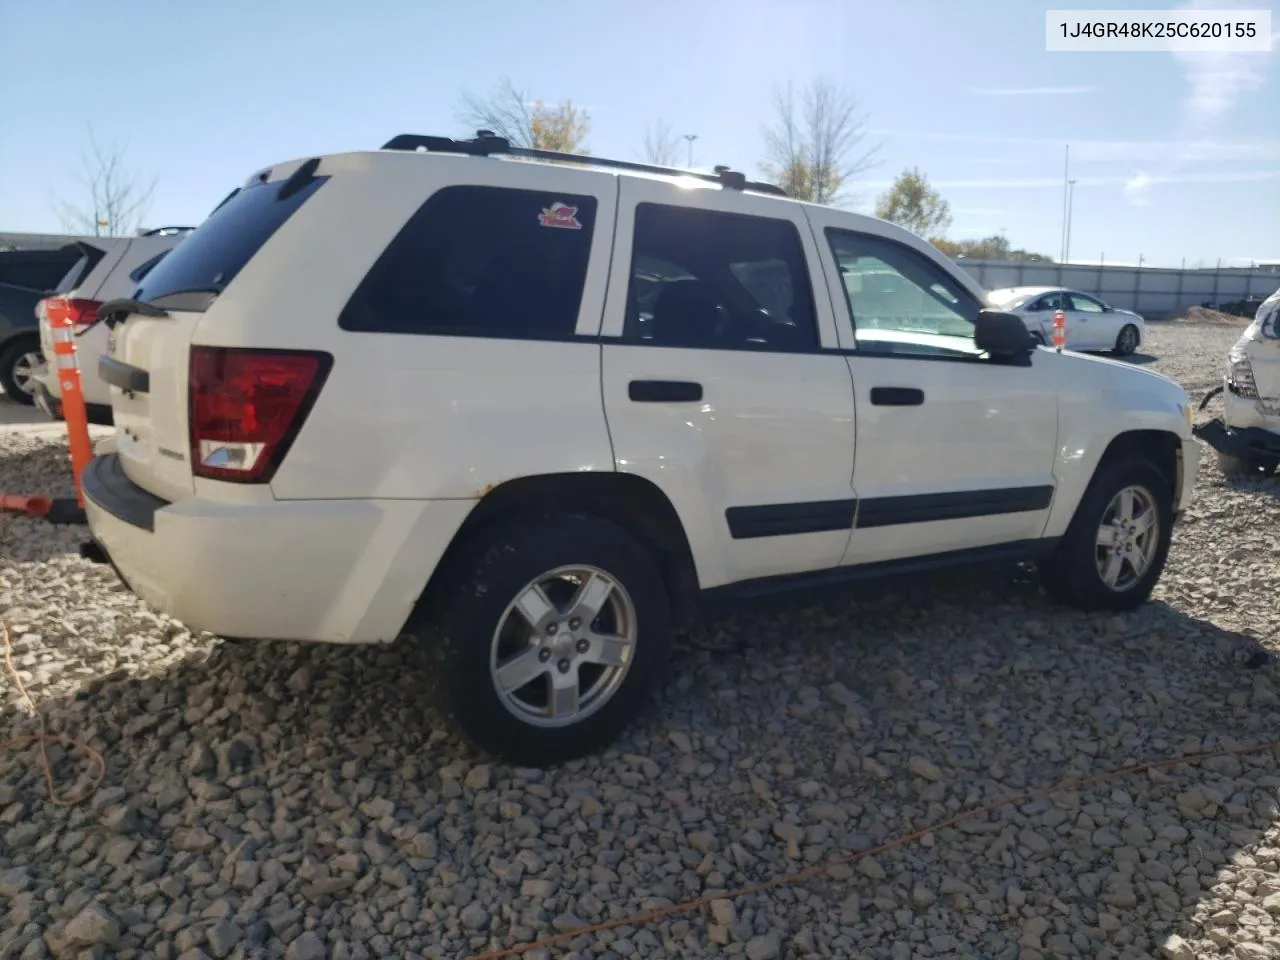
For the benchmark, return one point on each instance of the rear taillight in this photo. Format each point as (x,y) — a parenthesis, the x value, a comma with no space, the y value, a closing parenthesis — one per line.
(83,314)
(246,406)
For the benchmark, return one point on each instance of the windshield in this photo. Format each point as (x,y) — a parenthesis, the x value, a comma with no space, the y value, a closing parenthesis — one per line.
(208,259)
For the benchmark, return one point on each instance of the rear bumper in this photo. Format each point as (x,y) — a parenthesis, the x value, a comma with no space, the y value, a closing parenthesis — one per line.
(336,571)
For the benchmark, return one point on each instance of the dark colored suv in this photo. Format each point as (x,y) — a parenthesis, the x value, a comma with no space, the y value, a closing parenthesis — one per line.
(26,277)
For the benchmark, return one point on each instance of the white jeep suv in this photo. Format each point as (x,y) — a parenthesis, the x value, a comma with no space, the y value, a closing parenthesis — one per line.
(534,413)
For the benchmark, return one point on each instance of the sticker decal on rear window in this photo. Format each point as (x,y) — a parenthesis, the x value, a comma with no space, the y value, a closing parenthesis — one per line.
(560,215)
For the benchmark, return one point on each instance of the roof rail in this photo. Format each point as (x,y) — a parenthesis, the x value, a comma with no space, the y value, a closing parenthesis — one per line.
(486,144)
(164,231)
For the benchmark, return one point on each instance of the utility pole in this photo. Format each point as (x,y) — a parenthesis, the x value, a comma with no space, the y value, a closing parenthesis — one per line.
(1066,244)
(690,137)
(1062,236)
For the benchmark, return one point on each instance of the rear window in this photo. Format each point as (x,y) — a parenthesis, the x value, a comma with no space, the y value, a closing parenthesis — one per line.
(481,261)
(40,272)
(209,258)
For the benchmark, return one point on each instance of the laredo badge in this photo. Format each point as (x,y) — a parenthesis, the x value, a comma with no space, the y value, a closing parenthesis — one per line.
(560,215)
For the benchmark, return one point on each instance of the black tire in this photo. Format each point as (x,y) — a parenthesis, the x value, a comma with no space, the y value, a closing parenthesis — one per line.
(1071,575)
(1251,468)
(1126,341)
(464,611)
(14,352)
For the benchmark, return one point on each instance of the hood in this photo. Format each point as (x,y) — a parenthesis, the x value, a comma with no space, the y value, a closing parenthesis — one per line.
(1131,385)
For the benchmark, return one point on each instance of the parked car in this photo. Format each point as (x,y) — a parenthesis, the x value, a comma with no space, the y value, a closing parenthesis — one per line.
(25,277)
(1247,435)
(105,268)
(1091,324)
(384,393)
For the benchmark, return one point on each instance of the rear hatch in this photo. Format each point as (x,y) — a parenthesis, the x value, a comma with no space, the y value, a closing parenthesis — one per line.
(149,347)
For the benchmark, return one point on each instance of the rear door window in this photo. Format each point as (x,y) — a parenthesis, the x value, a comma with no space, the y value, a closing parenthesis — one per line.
(481,261)
(208,259)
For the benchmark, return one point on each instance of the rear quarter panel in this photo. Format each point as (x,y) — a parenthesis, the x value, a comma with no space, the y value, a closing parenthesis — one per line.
(406,416)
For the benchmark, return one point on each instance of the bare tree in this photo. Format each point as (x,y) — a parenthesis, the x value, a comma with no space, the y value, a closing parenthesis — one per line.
(116,200)
(509,112)
(815,149)
(661,146)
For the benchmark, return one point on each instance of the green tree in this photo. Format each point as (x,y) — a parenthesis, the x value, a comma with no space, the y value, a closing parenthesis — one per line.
(913,204)
(995,247)
(814,148)
(510,112)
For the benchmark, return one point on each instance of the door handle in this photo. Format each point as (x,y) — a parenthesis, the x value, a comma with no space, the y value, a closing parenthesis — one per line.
(664,391)
(896,396)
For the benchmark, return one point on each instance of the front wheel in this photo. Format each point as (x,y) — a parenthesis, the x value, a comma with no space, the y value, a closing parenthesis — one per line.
(549,634)
(1116,546)
(1126,341)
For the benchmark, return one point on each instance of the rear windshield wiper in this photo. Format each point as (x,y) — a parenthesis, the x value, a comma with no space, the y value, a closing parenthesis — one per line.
(113,310)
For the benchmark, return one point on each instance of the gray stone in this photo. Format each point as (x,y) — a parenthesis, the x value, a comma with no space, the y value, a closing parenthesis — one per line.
(92,926)
(308,946)
(765,947)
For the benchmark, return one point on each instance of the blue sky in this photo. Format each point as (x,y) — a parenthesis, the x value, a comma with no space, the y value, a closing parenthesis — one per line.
(1175,156)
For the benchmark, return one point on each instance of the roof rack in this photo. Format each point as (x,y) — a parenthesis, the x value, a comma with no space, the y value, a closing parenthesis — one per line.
(487,143)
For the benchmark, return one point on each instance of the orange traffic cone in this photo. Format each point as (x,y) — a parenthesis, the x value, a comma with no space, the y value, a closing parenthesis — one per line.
(1059,330)
(32,506)
(62,325)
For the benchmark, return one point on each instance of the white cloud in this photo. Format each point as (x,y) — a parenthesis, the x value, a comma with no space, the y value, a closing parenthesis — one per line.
(1136,190)
(1204,150)
(1217,80)
(1029,91)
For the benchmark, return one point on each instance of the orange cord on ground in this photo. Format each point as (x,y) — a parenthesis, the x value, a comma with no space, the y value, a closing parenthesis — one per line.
(810,873)
(41,739)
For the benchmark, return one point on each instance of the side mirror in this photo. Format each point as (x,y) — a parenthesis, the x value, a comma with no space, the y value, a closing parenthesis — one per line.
(1004,336)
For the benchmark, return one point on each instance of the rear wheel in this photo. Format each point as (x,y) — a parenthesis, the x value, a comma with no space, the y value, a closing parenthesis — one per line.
(18,364)
(1126,341)
(548,634)
(1116,546)
(1251,467)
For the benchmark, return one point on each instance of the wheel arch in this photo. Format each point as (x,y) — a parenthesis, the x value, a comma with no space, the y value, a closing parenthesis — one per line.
(635,504)
(1163,448)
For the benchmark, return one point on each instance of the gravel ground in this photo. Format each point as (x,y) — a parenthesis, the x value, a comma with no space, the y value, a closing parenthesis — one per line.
(268,800)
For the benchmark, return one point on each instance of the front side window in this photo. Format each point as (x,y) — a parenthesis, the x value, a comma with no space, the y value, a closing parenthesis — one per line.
(481,261)
(901,302)
(1050,301)
(718,281)
(1085,304)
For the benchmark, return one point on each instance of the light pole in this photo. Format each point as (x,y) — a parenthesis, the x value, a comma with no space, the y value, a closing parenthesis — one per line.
(691,137)
(1071,196)
(1066,165)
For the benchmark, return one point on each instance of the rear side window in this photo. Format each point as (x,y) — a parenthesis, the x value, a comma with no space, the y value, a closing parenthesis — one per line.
(481,261)
(80,270)
(208,259)
(718,281)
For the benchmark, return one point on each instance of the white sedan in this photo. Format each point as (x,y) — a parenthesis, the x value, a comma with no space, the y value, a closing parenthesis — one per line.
(1091,324)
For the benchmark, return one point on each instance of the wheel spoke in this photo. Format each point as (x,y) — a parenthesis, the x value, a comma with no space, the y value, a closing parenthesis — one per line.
(1144,522)
(1115,564)
(535,607)
(1124,510)
(607,650)
(591,597)
(564,694)
(1106,536)
(519,670)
